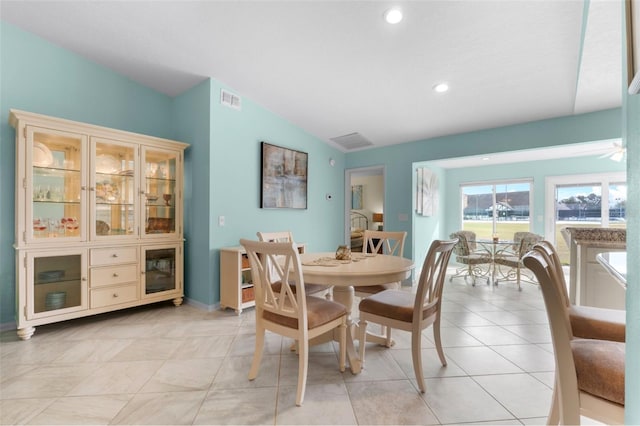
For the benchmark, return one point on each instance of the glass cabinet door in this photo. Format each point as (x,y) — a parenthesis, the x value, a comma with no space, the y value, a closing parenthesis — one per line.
(113,189)
(159,191)
(58,283)
(54,187)
(160,269)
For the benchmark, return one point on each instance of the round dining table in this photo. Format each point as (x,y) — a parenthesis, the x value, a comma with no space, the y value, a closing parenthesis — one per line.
(362,270)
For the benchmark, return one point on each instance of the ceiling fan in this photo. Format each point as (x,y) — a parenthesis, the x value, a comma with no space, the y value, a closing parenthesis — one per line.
(617,152)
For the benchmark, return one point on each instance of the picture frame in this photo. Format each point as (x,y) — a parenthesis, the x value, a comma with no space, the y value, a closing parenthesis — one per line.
(632,16)
(426,192)
(356,197)
(284,177)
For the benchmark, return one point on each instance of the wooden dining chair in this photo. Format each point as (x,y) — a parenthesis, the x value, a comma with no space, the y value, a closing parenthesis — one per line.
(383,242)
(285,237)
(589,377)
(412,312)
(286,312)
(589,322)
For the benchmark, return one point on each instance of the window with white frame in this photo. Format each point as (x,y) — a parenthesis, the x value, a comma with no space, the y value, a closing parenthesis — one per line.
(496,208)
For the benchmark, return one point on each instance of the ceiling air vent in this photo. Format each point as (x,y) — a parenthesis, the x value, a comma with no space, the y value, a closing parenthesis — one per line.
(231,100)
(352,141)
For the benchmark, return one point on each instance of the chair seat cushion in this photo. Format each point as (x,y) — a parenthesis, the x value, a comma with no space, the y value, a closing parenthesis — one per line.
(598,323)
(373,289)
(600,368)
(474,259)
(394,304)
(319,312)
(308,288)
(508,260)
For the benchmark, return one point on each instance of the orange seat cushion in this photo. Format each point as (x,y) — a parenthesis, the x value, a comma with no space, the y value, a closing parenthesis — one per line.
(600,368)
(598,323)
(319,312)
(394,304)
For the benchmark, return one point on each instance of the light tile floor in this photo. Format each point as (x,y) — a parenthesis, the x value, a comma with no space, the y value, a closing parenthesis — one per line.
(168,365)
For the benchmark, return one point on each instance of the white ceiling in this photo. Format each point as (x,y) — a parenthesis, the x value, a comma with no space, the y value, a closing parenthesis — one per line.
(335,67)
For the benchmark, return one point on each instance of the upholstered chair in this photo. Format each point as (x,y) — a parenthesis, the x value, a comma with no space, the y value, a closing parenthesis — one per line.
(404,310)
(589,372)
(522,243)
(589,322)
(290,313)
(467,254)
(384,242)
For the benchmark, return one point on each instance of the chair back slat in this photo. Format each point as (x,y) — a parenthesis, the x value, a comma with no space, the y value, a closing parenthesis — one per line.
(277,262)
(386,242)
(275,237)
(431,283)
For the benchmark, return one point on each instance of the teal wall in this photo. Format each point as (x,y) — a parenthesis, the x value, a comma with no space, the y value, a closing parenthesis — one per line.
(40,77)
(399,159)
(535,170)
(235,179)
(192,118)
(222,163)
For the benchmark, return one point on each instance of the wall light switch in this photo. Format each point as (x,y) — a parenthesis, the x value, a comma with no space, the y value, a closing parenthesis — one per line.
(220,220)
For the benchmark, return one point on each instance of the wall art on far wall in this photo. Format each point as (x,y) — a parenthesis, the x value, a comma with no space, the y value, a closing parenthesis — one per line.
(426,192)
(284,178)
(356,197)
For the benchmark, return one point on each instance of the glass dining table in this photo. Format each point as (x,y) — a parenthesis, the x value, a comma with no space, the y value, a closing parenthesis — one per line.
(495,249)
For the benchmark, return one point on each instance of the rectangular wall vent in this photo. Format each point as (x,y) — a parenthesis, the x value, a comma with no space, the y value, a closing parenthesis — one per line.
(352,141)
(230,99)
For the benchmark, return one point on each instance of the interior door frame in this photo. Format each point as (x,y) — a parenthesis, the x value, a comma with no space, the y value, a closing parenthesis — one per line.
(348,174)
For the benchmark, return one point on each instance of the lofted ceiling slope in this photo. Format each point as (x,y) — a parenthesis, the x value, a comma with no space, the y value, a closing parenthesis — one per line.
(335,68)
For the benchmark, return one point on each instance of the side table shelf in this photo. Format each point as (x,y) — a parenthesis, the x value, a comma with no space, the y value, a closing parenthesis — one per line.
(236,283)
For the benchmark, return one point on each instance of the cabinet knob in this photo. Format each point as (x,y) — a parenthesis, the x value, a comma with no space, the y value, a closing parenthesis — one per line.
(84,278)
(92,189)
(114,255)
(84,188)
(115,294)
(115,274)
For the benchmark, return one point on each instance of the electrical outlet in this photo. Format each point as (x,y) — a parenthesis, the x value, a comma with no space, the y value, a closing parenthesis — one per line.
(220,220)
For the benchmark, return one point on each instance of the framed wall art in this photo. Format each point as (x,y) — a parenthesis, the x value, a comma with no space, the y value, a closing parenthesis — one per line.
(426,192)
(284,178)
(356,197)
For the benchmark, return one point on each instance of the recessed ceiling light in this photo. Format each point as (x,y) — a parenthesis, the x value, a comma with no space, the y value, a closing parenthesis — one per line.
(393,15)
(485,158)
(441,87)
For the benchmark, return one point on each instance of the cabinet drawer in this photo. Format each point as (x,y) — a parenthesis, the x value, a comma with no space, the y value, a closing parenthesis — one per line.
(110,275)
(113,295)
(114,255)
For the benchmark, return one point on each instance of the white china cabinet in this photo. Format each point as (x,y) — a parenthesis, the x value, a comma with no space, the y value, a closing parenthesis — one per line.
(98,220)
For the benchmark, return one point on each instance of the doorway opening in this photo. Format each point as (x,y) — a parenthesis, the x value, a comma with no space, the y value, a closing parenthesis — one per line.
(364,194)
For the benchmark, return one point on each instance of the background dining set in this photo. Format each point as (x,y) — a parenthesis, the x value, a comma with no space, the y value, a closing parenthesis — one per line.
(589,347)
